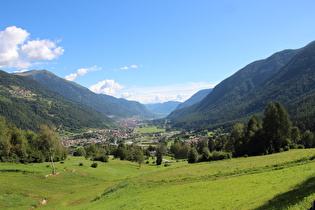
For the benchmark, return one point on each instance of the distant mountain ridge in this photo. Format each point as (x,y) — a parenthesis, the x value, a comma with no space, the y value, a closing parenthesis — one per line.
(29,104)
(287,76)
(163,109)
(201,94)
(105,104)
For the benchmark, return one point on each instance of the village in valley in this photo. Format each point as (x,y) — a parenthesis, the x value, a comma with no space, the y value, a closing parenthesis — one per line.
(131,131)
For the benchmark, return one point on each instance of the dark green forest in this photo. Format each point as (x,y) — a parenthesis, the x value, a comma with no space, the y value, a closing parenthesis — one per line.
(28,104)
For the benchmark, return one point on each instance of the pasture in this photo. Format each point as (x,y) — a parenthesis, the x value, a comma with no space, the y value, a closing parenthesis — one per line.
(278,181)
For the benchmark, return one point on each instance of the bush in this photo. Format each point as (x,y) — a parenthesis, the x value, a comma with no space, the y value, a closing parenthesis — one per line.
(300,146)
(94,165)
(102,158)
(286,148)
(218,155)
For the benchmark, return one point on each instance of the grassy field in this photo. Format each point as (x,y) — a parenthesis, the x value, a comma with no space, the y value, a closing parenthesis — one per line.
(150,129)
(279,181)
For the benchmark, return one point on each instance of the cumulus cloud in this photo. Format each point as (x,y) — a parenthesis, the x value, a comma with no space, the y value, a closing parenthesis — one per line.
(108,87)
(19,52)
(81,72)
(160,94)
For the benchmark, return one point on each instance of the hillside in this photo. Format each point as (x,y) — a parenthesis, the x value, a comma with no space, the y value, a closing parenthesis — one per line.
(105,104)
(287,76)
(28,104)
(163,109)
(195,98)
(278,181)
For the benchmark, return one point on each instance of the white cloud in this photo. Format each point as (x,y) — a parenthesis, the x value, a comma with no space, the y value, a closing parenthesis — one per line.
(24,70)
(81,72)
(128,67)
(160,94)
(108,87)
(41,50)
(16,52)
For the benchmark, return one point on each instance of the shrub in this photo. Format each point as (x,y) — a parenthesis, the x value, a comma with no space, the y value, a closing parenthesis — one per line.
(94,165)
(102,158)
(218,155)
(286,148)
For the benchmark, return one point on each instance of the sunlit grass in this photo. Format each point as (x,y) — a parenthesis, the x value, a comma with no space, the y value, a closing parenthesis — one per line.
(263,182)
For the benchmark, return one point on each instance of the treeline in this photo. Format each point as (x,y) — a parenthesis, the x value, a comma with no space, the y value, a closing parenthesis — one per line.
(25,146)
(275,133)
(100,152)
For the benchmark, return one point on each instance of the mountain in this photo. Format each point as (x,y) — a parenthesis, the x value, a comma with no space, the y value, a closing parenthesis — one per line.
(286,76)
(195,98)
(105,104)
(163,109)
(29,104)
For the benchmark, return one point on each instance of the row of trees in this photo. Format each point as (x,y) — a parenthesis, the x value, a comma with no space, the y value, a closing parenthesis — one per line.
(22,146)
(274,134)
(99,152)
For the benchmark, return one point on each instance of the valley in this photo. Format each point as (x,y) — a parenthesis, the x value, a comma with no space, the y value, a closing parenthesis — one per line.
(248,143)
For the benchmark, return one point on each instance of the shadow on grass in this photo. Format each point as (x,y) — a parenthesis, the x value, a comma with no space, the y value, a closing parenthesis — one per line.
(17,171)
(292,197)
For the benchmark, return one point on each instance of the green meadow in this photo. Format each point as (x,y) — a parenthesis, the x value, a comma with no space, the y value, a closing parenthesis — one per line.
(279,181)
(150,129)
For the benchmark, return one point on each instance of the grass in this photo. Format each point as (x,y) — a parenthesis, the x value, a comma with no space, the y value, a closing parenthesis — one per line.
(279,181)
(150,129)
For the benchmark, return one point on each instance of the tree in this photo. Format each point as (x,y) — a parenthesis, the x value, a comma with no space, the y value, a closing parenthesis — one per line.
(79,152)
(295,135)
(160,151)
(277,126)
(211,144)
(193,155)
(5,145)
(206,155)
(270,126)
(139,157)
(50,145)
(92,151)
(254,124)
(19,145)
(236,140)
(285,125)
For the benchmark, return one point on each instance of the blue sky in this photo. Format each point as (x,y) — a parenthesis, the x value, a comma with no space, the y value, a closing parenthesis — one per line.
(149,50)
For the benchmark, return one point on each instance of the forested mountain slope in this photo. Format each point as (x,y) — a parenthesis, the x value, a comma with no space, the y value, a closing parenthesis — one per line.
(29,104)
(105,104)
(287,76)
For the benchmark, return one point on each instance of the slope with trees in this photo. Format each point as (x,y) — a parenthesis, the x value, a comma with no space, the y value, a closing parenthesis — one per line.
(28,104)
(287,76)
(105,104)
